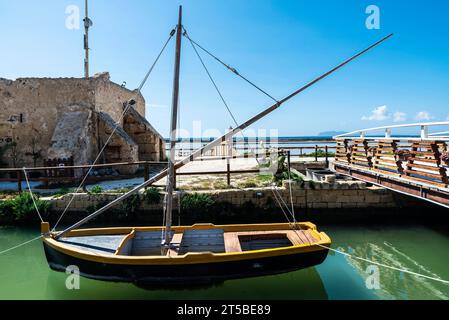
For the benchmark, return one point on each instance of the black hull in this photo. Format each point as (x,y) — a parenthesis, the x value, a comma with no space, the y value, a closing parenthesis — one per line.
(201,273)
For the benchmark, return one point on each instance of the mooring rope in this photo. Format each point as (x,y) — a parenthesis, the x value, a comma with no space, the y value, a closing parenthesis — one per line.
(386,266)
(128,106)
(357,257)
(20,245)
(281,205)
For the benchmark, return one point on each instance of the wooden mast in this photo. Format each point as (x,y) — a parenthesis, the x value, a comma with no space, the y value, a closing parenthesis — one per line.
(217,141)
(173,129)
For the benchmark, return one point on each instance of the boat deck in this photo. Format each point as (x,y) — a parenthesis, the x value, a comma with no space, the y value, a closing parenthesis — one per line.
(95,244)
(213,240)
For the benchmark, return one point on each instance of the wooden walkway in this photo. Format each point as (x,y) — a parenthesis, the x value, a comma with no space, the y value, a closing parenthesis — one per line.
(418,167)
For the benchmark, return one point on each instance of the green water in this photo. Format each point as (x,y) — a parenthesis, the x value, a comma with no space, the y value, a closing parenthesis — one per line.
(24,273)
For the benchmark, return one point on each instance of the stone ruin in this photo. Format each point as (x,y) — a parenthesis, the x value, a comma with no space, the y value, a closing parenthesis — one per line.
(43,119)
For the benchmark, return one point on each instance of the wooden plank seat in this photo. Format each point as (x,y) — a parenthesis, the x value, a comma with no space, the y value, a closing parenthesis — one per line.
(146,243)
(202,241)
(175,244)
(235,240)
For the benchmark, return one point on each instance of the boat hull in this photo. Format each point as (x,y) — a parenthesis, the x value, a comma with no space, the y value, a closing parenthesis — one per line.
(197,273)
(241,251)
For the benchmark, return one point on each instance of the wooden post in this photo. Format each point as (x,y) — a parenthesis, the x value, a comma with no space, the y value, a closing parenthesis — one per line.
(175,181)
(316,153)
(146,172)
(288,161)
(19,180)
(327,158)
(228,172)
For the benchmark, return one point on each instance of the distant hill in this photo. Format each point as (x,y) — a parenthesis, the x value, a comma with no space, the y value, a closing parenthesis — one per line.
(331,133)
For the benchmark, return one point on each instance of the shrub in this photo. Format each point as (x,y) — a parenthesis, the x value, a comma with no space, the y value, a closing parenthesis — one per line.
(152,196)
(279,177)
(247,184)
(63,191)
(220,184)
(197,202)
(320,153)
(130,204)
(120,190)
(96,190)
(21,208)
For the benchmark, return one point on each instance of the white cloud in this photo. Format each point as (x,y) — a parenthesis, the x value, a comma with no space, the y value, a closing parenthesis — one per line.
(423,115)
(399,116)
(378,114)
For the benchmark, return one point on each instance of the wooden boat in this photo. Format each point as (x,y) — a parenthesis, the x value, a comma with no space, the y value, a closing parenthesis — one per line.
(199,253)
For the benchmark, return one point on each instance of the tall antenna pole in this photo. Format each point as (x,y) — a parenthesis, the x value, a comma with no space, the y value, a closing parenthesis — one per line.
(173,128)
(87,25)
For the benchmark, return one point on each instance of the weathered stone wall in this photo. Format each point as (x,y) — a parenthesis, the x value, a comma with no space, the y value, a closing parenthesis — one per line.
(344,195)
(120,148)
(109,98)
(35,106)
(151,144)
(30,109)
(73,136)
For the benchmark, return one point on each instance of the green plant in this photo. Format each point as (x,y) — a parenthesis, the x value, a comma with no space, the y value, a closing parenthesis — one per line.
(21,208)
(320,153)
(247,184)
(220,184)
(120,190)
(283,172)
(196,202)
(96,190)
(96,206)
(152,196)
(279,177)
(63,191)
(265,178)
(130,204)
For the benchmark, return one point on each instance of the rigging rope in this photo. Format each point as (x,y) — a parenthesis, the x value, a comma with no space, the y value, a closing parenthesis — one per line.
(211,79)
(32,195)
(129,104)
(291,194)
(233,70)
(219,92)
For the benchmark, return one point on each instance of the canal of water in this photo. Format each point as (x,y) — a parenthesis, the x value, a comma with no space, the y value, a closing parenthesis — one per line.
(24,273)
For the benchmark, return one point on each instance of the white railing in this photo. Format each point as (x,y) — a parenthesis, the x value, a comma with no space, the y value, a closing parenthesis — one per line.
(423,132)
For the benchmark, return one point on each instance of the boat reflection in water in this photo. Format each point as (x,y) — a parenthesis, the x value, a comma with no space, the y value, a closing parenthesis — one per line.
(302,284)
(394,284)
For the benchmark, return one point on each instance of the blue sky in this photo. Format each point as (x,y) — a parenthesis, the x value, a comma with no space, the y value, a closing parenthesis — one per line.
(280,45)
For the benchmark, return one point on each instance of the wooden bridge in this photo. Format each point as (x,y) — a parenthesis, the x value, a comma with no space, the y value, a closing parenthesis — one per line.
(415,163)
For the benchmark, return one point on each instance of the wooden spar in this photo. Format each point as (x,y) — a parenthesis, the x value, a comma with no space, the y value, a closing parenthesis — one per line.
(173,129)
(215,142)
